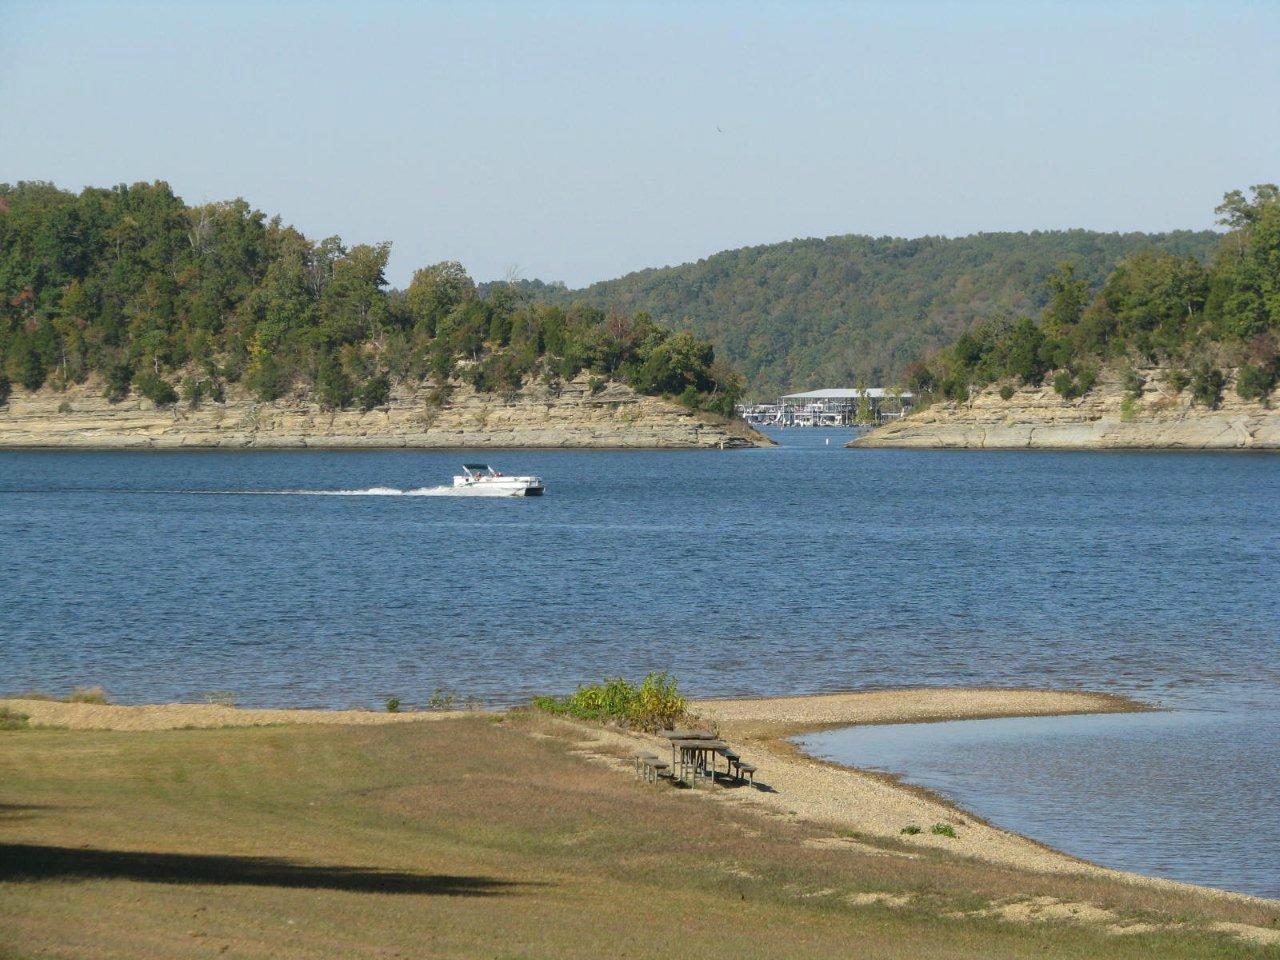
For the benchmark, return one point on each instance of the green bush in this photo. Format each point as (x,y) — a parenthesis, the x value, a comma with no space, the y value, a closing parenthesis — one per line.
(1071,386)
(156,389)
(374,392)
(26,364)
(393,704)
(1206,386)
(193,391)
(956,390)
(9,720)
(268,379)
(117,378)
(1177,379)
(1254,382)
(1064,384)
(653,704)
(1006,392)
(910,830)
(333,387)
(944,830)
(6,388)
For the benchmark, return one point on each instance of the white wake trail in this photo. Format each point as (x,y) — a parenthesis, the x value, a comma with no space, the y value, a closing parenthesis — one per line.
(396,492)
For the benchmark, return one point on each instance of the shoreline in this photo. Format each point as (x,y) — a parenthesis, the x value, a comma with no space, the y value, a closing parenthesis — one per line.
(866,809)
(576,414)
(769,724)
(1108,417)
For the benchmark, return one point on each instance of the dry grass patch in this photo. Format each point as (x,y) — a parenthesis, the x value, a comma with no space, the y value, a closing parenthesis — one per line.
(469,838)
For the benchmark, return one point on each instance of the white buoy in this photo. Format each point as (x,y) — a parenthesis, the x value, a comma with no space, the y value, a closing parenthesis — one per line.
(828,441)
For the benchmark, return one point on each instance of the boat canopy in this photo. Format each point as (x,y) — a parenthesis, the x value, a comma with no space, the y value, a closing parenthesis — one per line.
(475,466)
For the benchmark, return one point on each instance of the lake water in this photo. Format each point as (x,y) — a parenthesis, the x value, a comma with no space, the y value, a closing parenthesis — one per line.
(800,568)
(1188,795)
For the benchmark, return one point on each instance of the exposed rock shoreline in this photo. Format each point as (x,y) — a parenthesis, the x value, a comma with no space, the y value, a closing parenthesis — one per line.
(569,415)
(1103,419)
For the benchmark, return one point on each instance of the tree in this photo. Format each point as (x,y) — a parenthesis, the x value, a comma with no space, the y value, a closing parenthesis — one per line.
(1068,296)
(334,389)
(864,412)
(1206,385)
(156,389)
(24,363)
(1255,382)
(1024,352)
(436,290)
(374,392)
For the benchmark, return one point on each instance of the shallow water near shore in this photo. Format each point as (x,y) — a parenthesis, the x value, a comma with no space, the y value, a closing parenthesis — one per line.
(802,568)
(1186,795)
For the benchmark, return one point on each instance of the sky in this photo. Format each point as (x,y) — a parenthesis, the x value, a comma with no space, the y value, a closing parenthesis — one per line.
(580,141)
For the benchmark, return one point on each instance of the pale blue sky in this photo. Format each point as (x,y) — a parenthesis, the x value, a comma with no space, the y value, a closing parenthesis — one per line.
(578,141)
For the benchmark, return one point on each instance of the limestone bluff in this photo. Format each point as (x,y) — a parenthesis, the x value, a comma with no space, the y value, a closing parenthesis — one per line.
(575,413)
(1161,418)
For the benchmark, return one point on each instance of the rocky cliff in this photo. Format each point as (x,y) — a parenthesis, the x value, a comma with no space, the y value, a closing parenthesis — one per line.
(1105,418)
(570,415)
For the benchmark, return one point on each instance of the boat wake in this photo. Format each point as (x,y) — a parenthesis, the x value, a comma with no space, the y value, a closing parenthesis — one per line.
(397,492)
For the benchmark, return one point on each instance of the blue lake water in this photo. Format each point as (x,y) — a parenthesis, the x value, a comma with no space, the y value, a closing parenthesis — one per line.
(1188,795)
(801,568)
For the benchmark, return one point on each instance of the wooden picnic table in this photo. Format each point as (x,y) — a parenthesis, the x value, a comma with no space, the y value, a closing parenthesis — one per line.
(695,755)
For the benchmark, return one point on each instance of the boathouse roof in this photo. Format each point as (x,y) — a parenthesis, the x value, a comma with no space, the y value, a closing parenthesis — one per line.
(841,393)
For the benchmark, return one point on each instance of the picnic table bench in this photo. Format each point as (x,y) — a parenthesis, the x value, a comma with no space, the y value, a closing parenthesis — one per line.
(650,766)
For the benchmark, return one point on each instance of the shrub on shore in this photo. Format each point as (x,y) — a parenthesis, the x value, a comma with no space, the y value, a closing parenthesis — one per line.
(88,695)
(650,705)
(77,695)
(10,720)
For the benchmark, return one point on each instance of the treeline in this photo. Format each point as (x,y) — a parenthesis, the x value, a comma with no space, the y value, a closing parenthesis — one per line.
(176,302)
(844,310)
(1156,308)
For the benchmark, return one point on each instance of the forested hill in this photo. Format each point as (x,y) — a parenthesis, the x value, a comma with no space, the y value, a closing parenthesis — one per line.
(835,311)
(1199,324)
(133,287)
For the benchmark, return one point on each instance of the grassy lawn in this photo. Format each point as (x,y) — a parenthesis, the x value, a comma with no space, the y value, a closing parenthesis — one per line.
(472,838)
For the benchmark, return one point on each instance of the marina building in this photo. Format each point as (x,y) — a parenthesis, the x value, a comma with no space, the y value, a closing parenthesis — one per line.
(831,407)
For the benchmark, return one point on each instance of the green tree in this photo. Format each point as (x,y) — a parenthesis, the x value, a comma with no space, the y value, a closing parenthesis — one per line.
(155,388)
(435,291)
(374,392)
(334,389)
(1068,296)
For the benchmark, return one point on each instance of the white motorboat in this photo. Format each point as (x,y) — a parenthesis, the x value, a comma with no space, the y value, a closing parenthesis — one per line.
(481,480)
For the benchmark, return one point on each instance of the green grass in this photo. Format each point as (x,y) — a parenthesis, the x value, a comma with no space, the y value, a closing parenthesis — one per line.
(471,838)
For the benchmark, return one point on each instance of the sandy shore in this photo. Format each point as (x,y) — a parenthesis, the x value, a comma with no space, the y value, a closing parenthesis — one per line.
(786,716)
(856,803)
(186,716)
(875,805)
